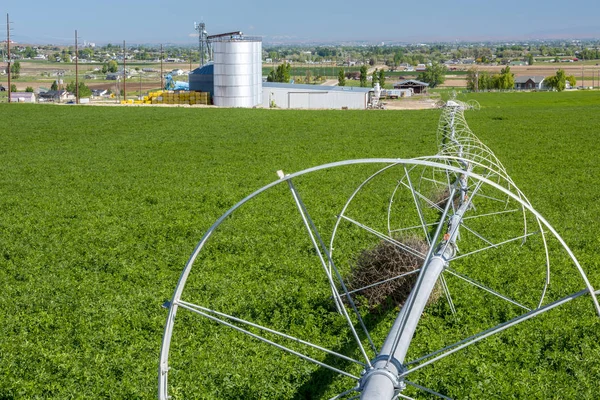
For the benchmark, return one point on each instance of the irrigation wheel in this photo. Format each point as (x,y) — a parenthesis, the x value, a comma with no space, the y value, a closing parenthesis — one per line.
(293,245)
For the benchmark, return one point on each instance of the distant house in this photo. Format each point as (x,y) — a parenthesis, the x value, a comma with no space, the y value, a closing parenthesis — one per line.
(416,86)
(177,72)
(22,97)
(54,95)
(99,92)
(421,67)
(114,76)
(529,82)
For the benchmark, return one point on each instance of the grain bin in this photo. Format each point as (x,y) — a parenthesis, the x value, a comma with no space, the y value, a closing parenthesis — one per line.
(237,71)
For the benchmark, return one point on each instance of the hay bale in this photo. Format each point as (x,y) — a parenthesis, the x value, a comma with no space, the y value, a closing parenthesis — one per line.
(387,260)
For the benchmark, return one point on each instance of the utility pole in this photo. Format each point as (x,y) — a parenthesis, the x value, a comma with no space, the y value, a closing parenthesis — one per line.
(162,85)
(124,75)
(8,51)
(76,70)
(582,78)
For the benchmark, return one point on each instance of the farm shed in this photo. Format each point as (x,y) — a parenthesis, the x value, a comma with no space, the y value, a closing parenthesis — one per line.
(529,82)
(416,86)
(203,79)
(54,95)
(22,97)
(289,95)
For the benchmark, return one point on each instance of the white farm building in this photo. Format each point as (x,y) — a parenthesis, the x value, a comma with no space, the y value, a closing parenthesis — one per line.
(287,95)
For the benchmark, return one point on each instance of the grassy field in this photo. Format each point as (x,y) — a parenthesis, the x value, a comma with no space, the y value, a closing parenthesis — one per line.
(101,207)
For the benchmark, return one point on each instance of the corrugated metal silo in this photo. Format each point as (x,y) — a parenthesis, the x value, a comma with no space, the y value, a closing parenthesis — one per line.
(237,71)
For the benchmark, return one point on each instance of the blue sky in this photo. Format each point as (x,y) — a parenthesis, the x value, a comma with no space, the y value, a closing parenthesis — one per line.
(159,21)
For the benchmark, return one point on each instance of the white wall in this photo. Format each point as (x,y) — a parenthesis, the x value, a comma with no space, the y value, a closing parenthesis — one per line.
(313,99)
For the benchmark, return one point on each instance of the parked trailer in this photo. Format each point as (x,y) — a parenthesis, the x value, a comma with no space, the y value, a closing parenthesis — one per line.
(396,93)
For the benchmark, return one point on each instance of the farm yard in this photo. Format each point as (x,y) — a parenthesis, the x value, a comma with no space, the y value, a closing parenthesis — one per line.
(41,74)
(102,206)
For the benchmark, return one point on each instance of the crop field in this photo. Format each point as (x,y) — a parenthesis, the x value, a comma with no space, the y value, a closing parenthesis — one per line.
(100,208)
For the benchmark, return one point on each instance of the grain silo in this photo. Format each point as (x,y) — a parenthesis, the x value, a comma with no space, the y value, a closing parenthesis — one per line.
(237,70)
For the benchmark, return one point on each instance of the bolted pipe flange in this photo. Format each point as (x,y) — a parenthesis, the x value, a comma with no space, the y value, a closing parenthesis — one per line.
(381,371)
(389,373)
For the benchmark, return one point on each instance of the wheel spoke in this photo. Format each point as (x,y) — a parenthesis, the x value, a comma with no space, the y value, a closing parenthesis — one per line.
(265,340)
(425,389)
(447,293)
(193,307)
(453,348)
(496,245)
(384,281)
(312,232)
(386,238)
(485,288)
(418,206)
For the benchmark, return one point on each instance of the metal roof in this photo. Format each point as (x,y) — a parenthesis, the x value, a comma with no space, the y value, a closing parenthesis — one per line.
(317,87)
(22,94)
(206,69)
(525,78)
(414,81)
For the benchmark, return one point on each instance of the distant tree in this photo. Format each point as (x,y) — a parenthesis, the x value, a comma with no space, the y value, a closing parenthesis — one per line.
(473,79)
(558,82)
(308,75)
(15,69)
(71,87)
(87,53)
(374,77)
(485,81)
(29,52)
(285,72)
(281,74)
(13,87)
(530,59)
(398,58)
(84,90)
(434,74)
(381,78)
(112,66)
(505,80)
(54,86)
(372,62)
(363,76)
(341,77)
(104,68)
(67,58)
(29,89)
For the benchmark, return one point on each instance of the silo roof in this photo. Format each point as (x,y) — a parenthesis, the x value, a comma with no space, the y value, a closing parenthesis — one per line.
(206,69)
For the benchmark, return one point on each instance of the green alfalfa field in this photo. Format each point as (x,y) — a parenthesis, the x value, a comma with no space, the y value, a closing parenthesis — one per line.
(100,208)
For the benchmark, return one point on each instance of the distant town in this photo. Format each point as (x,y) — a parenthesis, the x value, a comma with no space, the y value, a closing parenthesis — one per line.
(111,72)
